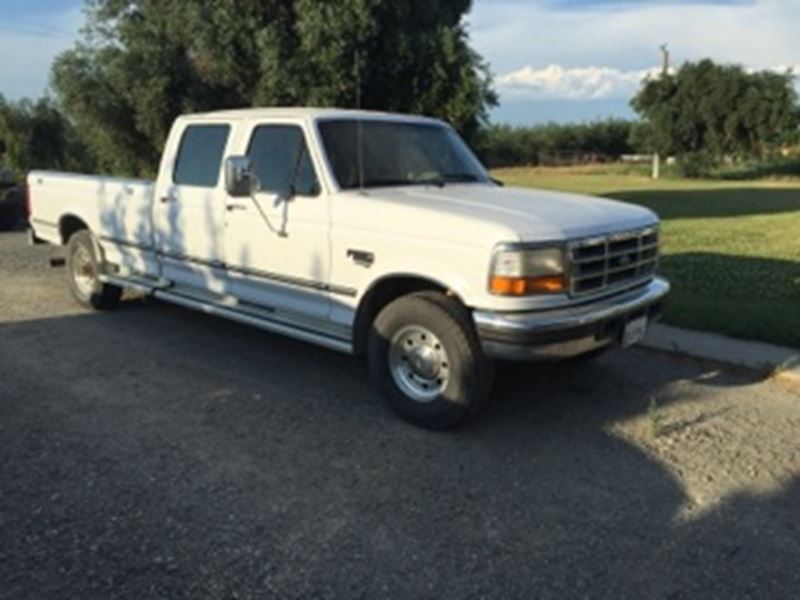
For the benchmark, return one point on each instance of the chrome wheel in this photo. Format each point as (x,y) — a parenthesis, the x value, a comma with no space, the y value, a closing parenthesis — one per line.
(419,364)
(83,271)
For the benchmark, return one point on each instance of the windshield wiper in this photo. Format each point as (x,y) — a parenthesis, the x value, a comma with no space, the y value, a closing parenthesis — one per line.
(461,177)
(370,183)
(440,180)
(443,179)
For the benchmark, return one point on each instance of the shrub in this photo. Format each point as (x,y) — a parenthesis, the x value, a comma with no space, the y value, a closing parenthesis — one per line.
(507,146)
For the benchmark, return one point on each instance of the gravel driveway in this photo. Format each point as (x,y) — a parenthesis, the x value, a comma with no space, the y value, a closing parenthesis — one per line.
(155,452)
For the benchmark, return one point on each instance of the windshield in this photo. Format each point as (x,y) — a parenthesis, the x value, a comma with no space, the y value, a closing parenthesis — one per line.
(398,153)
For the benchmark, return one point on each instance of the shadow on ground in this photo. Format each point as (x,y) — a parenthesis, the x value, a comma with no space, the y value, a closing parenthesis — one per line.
(155,452)
(706,204)
(741,296)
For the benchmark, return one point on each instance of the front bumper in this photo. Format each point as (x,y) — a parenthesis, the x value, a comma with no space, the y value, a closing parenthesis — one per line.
(567,332)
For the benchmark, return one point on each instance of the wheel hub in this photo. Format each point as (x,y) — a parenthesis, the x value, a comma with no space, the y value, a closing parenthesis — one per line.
(423,362)
(83,272)
(419,364)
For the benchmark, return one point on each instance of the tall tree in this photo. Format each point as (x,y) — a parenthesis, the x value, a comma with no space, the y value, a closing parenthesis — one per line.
(37,136)
(143,62)
(708,111)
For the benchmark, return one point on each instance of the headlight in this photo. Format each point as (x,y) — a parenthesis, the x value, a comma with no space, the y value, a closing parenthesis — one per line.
(527,272)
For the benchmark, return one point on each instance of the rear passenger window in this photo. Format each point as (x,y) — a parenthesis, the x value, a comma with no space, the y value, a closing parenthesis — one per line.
(281,161)
(200,155)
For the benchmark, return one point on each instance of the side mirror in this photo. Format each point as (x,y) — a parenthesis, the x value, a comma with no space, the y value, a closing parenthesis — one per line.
(240,180)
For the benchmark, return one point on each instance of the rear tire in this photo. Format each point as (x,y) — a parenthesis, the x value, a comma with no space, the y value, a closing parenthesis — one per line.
(427,360)
(83,268)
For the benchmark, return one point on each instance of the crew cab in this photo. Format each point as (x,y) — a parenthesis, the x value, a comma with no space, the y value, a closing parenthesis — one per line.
(367,233)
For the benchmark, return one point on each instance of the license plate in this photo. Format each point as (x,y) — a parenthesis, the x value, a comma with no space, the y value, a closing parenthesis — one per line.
(634,331)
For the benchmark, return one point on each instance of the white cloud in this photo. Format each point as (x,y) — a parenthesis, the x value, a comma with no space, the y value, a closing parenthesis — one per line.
(556,82)
(598,53)
(578,83)
(513,35)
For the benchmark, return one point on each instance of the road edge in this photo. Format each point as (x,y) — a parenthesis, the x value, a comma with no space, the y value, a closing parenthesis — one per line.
(779,362)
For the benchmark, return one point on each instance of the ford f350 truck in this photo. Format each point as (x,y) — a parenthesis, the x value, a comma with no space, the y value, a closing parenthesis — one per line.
(367,233)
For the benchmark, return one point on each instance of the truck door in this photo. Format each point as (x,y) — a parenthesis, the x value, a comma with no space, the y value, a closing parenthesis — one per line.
(189,209)
(277,243)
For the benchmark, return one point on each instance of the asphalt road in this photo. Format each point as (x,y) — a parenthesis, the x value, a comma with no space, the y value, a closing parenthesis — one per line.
(155,452)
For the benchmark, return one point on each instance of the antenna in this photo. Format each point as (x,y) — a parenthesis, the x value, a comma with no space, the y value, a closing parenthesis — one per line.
(357,69)
(665,59)
(359,125)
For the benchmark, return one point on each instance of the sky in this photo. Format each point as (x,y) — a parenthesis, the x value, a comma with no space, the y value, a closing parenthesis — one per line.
(553,60)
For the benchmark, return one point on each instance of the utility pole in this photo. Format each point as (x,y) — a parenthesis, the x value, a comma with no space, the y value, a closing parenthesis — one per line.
(664,73)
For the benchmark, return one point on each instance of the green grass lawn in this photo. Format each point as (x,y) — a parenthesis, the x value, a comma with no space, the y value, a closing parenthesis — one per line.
(731,249)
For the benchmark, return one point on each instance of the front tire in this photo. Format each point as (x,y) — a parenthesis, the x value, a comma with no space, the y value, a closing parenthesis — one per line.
(83,269)
(426,358)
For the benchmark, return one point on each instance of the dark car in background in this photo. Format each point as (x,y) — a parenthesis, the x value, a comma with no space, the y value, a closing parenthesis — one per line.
(12,205)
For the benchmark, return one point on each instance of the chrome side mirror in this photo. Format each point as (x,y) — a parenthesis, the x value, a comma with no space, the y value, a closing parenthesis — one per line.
(240,179)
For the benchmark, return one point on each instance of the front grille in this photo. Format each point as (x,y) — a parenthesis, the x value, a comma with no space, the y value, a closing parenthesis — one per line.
(612,261)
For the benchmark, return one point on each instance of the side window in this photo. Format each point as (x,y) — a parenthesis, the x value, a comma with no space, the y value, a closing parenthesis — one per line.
(281,161)
(200,155)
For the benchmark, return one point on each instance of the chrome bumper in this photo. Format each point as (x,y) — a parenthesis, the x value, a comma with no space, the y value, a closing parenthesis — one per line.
(563,333)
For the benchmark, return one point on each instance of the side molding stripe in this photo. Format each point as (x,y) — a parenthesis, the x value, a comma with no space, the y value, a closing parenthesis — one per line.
(294,281)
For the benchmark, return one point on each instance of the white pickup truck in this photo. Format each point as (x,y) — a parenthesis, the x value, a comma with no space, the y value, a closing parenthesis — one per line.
(367,233)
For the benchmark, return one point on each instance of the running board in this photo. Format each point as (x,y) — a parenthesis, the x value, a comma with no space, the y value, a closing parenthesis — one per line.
(220,310)
(139,284)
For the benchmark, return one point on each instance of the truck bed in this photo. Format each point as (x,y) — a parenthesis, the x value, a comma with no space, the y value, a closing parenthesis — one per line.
(117,210)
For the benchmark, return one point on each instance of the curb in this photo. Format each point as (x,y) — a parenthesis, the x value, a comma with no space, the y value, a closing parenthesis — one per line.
(781,363)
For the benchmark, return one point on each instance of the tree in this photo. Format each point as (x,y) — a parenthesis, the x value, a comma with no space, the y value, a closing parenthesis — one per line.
(143,62)
(505,146)
(37,136)
(706,112)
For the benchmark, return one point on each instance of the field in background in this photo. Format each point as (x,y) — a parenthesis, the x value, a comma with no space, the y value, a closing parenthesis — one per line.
(731,249)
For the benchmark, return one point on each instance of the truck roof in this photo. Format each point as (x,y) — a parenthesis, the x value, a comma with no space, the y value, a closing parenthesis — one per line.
(306,113)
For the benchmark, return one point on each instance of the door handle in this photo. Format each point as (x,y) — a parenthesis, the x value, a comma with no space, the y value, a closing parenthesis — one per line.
(233,207)
(361,257)
(165,199)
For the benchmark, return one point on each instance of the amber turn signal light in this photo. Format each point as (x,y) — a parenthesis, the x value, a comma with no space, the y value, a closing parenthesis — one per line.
(527,286)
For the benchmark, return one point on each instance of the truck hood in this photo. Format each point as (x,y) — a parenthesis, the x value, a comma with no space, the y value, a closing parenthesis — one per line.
(533,215)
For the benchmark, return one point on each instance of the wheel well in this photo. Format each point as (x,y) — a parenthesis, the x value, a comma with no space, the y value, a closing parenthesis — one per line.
(383,293)
(69,225)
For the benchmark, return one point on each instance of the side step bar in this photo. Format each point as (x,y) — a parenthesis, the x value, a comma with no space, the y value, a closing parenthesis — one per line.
(163,291)
(144,285)
(219,310)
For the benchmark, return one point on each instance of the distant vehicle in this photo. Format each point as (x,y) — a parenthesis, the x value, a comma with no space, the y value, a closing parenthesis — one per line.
(12,205)
(367,233)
